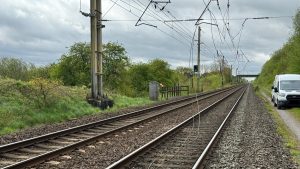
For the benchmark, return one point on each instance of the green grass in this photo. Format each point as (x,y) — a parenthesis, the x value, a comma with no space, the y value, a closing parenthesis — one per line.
(18,112)
(212,81)
(16,116)
(290,140)
(19,108)
(124,101)
(296,113)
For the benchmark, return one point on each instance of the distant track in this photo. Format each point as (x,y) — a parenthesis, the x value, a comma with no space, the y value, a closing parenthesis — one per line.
(187,144)
(38,149)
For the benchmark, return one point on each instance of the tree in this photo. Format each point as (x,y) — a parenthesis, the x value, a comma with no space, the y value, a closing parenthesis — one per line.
(115,66)
(183,75)
(297,23)
(284,60)
(14,68)
(40,72)
(139,78)
(160,71)
(74,67)
(156,70)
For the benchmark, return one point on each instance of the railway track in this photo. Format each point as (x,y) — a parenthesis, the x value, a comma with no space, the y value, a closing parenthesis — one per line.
(187,144)
(36,150)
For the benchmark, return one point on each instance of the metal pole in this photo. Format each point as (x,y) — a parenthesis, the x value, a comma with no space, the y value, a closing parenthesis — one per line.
(230,73)
(99,49)
(222,68)
(204,78)
(198,58)
(236,74)
(93,50)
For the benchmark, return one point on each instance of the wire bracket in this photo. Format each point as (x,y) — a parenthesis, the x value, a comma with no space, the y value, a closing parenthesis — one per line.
(155,6)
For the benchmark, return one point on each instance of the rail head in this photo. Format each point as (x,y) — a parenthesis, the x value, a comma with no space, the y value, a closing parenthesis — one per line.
(133,154)
(51,154)
(27,142)
(201,159)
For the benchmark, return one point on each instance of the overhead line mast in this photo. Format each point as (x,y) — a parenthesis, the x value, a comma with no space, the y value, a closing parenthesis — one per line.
(97,97)
(94,82)
(99,48)
(199,45)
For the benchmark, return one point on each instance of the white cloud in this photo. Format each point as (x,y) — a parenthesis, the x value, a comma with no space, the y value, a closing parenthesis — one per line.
(260,58)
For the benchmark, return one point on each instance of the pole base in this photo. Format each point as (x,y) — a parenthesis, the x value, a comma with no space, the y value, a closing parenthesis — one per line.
(102,102)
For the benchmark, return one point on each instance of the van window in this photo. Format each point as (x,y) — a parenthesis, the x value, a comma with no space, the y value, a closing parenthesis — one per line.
(290,85)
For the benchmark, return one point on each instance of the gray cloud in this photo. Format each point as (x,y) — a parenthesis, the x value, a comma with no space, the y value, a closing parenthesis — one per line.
(40,31)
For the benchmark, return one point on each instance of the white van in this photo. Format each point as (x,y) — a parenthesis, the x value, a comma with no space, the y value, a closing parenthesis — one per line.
(286,90)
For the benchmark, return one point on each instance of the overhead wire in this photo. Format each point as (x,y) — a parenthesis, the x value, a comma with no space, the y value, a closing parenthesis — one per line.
(225,24)
(109,9)
(161,19)
(193,19)
(166,12)
(225,19)
(131,11)
(182,33)
(188,31)
(230,35)
(222,37)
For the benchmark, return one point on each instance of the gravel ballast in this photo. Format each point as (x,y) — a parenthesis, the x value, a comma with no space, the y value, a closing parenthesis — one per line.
(48,128)
(110,149)
(250,139)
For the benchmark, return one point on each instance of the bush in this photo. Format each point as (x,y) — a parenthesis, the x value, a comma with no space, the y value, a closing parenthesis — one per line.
(14,68)
(43,92)
(38,92)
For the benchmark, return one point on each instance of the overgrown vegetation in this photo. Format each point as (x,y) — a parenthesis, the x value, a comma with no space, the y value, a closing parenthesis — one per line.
(289,138)
(41,101)
(296,113)
(31,95)
(284,61)
(15,68)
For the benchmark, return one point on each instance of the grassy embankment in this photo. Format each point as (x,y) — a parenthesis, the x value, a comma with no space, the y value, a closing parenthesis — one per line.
(40,101)
(289,138)
(27,104)
(296,113)
(284,61)
(211,81)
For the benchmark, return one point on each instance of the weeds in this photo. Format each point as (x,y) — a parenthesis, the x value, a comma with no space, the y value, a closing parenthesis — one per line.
(28,104)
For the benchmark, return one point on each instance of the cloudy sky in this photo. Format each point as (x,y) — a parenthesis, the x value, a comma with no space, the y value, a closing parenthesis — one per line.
(40,31)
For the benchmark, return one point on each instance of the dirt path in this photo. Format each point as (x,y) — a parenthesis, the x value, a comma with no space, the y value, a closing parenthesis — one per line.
(289,120)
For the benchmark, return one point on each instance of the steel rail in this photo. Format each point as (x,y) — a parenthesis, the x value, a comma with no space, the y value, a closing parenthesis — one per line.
(125,160)
(201,159)
(54,153)
(42,138)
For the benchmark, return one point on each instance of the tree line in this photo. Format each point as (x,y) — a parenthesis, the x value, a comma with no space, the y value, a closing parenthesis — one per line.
(120,74)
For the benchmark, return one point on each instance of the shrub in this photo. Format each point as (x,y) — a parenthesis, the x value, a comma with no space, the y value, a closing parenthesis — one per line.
(41,92)
(14,68)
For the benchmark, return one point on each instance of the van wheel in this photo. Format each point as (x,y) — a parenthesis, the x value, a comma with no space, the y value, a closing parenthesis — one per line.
(278,106)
